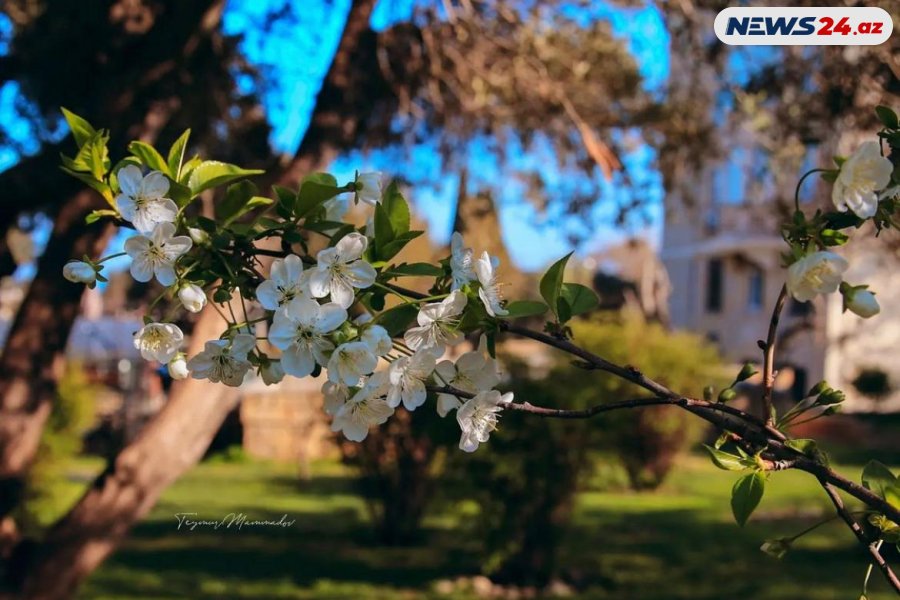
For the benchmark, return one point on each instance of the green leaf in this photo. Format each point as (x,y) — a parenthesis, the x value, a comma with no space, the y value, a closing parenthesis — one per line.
(551,282)
(384,233)
(563,309)
(887,117)
(212,173)
(96,215)
(580,298)
(398,319)
(286,197)
(149,156)
(877,477)
(724,460)
(315,190)
(240,198)
(396,209)
(525,308)
(746,494)
(892,495)
(82,131)
(176,154)
(91,182)
(390,250)
(415,270)
(179,193)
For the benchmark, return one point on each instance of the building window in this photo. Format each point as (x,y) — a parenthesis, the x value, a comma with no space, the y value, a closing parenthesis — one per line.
(756,289)
(715,273)
(800,387)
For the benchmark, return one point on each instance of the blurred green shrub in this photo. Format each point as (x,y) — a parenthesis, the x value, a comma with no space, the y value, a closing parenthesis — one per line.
(525,479)
(647,441)
(72,415)
(399,464)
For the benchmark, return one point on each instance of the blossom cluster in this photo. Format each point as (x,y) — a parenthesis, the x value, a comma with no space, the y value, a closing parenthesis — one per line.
(307,303)
(861,183)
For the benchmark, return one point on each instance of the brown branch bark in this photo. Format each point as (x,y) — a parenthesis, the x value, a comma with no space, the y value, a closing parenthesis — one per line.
(172,443)
(769,356)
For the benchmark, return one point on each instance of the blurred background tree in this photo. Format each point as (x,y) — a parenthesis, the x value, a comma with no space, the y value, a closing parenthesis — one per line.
(526,479)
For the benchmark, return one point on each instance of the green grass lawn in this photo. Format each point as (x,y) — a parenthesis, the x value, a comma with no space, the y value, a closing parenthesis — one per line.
(676,543)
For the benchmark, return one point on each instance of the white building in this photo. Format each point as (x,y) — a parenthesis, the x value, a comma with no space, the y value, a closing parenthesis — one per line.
(723,255)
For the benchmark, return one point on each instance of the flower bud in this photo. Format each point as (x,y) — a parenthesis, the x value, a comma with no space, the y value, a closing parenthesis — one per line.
(747,371)
(776,548)
(198,236)
(727,395)
(862,302)
(78,271)
(178,368)
(830,397)
(192,297)
(818,388)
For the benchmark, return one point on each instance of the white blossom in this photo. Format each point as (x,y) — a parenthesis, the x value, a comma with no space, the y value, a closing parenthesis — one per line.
(446,403)
(378,339)
(861,177)
(287,280)
(271,372)
(336,395)
(460,262)
(407,376)
(369,187)
(156,254)
(340,269)
(478,416)
(350,362)
(816,273)
(178,368)
(78,271)
(367,407)
(192,297)
(224,360)
(437,324)
(142,199)
(299,330)
(862,302)
(472,372)
(489,292)
(158,341)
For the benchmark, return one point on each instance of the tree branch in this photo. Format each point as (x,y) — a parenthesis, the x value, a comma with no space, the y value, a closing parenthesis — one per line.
(871,546)
(769,356)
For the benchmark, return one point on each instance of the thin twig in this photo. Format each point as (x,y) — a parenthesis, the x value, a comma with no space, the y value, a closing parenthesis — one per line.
(873,547)
(769,356)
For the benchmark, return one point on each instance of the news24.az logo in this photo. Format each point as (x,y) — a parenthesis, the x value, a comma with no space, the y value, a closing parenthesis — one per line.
(819,26)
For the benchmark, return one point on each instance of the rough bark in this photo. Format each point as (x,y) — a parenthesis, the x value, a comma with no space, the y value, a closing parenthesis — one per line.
(177,438)
(172,443)
(30,361)
(37,340)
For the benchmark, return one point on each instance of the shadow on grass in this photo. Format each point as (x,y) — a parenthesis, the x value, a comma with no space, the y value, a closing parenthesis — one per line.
(619,546)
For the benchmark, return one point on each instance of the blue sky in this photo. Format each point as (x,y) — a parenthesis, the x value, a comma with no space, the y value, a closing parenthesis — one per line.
(293,65)
(289,102)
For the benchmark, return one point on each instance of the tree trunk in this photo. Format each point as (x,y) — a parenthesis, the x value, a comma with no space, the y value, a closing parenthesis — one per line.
(172,443)
(32,357)
(177,438)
